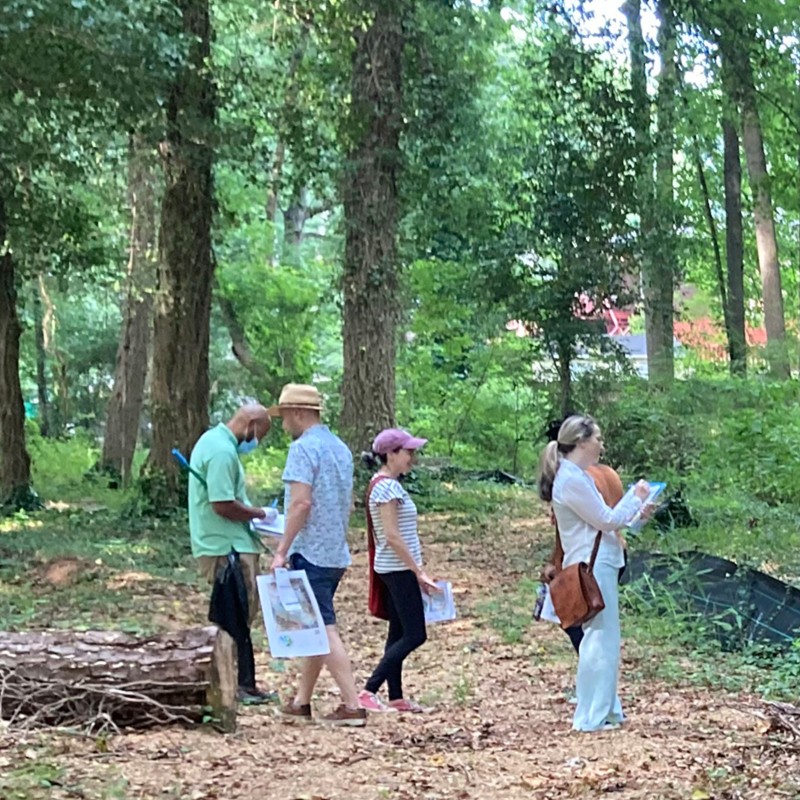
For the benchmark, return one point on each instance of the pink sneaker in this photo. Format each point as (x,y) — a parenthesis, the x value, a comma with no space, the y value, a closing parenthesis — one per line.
(408,706)
(371,702)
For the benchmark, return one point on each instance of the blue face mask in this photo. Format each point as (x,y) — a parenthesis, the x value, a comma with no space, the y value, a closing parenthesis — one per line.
(247,446)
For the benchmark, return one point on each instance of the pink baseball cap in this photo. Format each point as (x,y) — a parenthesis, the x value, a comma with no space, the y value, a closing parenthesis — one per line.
(395,439)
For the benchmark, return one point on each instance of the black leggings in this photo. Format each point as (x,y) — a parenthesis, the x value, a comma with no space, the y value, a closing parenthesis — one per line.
(406,631)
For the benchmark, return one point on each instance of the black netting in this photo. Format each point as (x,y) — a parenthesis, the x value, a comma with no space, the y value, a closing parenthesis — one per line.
(746,605)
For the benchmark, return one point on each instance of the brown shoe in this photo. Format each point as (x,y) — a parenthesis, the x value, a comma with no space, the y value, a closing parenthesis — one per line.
(346,717)
(294,714)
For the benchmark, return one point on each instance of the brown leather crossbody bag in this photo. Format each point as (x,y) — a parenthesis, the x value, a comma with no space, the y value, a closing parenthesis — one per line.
(575,592)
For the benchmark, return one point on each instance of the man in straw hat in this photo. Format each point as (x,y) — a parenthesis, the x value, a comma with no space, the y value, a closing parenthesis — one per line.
(319,486)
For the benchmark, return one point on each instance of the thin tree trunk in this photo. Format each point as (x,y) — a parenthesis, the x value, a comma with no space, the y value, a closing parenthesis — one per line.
(712,231)
(564,363)
(41,358)
(371,209)
(240,346)
(797,116)
(766,239)
(15,463)
(180,382)
(130,375)
(276,172)
(659,288)
(58,407)
(734,240)
(294,220)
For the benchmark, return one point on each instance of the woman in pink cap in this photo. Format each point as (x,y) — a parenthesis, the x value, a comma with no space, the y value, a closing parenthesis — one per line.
(397,564)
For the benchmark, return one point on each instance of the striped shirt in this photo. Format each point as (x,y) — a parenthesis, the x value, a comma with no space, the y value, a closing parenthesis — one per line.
(386,559)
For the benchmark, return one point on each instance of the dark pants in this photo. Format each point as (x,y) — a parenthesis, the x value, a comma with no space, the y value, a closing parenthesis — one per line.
(575,633)
(406,631)
(230,609)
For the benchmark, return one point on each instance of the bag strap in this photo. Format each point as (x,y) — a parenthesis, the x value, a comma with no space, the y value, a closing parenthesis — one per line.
(372,484)
(558,553)
(594,549)
(370,525)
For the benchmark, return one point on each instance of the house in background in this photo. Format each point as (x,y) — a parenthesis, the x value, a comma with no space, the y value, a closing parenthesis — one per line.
(701,335)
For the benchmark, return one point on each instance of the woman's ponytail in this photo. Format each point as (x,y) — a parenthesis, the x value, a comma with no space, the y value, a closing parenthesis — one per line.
(548,466)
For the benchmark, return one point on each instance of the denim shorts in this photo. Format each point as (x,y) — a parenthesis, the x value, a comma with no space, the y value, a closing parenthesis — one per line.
(324,582)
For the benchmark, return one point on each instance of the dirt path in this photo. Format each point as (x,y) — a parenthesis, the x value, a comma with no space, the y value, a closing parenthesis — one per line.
(500,728)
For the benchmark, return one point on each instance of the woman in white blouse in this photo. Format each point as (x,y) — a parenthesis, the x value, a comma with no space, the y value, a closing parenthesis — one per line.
(581,512)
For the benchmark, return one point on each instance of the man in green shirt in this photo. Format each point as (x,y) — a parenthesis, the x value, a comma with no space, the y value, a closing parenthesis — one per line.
(220,511)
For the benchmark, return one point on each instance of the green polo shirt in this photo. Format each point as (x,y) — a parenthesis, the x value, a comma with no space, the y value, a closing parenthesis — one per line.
(216,458)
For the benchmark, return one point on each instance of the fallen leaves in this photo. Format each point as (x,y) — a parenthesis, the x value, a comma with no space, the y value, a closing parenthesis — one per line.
(500,728)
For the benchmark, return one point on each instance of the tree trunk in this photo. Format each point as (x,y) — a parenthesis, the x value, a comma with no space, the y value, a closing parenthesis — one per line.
(564,365)
(712,231)
(15,463)
(371,210)
(662,262)
(656,273)
(58,408)
(106,679)
(766,239)
(797,164)
(240,346)
(294,220)
(41,358)
(180,384)
(734,247)
(130,375)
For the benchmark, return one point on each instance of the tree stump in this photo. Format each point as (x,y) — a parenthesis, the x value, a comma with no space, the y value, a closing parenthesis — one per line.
(106,680)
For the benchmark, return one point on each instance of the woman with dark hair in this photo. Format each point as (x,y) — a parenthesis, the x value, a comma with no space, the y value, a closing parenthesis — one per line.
(581,513)
(397,565)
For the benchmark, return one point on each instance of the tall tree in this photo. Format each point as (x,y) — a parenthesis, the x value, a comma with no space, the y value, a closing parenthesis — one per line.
(372,209)
(655,223)
(180,383)
(734,250)
(127,397)
(736,51)
(15,464)
(48,125)
(662,258)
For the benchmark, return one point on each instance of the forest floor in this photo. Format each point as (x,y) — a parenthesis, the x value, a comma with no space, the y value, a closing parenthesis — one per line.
(498,685)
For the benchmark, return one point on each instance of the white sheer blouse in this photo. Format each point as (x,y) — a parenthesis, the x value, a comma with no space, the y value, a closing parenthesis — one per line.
(581,512)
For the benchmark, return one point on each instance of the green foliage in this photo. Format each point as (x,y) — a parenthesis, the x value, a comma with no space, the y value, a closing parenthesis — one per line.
(727,446)
(35,778)
(462,378)
(667,641)
(97,546)
(650,433)
(285,312)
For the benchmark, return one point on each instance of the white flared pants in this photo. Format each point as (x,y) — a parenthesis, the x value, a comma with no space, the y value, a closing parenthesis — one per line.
(599,658)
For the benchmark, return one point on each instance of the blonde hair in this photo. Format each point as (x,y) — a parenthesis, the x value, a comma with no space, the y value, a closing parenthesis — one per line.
(572,432)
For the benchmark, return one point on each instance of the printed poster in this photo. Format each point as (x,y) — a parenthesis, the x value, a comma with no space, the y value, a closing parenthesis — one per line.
(291,615)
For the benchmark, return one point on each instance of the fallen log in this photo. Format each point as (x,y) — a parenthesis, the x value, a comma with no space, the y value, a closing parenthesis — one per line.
(107,680)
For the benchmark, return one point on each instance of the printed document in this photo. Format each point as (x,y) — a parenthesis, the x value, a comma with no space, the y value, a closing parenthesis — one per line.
(268,527)
(439,606)
(291,615)
(656,488)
